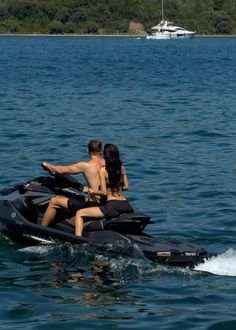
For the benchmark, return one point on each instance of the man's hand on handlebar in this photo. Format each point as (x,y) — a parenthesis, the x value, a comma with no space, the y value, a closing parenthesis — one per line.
(46,167)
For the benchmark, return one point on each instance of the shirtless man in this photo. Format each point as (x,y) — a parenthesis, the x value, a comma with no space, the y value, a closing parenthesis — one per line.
(90,169)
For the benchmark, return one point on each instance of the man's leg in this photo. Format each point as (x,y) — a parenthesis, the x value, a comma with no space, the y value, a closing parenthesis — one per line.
(55,203)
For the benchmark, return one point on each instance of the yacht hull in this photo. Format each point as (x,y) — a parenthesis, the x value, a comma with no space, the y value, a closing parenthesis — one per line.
(168,36)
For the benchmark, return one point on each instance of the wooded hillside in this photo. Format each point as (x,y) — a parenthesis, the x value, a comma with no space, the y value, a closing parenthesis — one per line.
(115,16)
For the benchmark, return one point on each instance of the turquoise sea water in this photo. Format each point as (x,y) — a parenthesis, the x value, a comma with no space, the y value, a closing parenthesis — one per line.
(170,107)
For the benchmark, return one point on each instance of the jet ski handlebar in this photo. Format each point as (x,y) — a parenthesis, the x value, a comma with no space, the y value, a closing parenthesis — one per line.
(64,180)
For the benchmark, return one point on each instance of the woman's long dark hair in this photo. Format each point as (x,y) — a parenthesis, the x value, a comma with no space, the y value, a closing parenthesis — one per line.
(113,167)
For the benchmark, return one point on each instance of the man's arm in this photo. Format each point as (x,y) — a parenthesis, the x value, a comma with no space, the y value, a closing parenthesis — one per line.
(75,168)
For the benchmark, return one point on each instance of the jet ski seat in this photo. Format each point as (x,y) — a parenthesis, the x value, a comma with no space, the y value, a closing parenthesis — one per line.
(128,223)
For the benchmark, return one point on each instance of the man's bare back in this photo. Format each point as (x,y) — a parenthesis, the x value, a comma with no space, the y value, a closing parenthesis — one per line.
(90,170)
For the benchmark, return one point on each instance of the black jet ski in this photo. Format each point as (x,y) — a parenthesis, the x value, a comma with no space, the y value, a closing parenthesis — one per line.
(23,206)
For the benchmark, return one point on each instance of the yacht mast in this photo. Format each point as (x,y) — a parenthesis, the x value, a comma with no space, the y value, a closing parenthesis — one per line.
(162,10)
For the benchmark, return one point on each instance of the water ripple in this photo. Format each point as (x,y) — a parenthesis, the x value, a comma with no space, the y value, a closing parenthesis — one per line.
(175,126)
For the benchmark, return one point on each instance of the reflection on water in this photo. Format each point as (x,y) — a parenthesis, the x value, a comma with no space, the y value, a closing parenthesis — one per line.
(71,284)
(99,275)
(82,266)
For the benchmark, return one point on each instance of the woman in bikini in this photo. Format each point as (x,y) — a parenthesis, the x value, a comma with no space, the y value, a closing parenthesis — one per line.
(113,181)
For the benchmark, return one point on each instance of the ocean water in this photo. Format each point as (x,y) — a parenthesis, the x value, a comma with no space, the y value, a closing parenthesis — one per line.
(170,106)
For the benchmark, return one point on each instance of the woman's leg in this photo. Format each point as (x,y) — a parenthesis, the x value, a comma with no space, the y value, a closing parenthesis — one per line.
(93,212)
(55,202)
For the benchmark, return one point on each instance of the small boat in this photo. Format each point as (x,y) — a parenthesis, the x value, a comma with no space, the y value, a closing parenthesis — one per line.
(23,206)
(167,30)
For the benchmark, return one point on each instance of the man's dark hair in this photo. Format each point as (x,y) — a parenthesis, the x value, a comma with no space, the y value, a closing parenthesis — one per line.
(95,147)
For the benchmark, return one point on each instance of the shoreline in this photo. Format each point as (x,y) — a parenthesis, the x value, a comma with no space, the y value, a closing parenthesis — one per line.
(105,35)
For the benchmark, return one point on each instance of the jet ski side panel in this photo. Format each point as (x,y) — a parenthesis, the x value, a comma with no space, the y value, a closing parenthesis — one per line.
(26,233)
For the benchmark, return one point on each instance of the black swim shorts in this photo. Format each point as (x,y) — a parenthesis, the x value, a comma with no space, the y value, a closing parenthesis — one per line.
(75,204)
(114,208)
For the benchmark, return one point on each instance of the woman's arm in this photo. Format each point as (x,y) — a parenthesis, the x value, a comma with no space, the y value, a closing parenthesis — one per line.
(103,180)
(125,179)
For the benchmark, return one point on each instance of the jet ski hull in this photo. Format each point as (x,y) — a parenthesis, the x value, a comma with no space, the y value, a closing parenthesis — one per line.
(22,207)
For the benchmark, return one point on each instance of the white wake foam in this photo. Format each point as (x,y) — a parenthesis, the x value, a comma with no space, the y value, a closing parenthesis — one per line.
(222,264)
(37,249)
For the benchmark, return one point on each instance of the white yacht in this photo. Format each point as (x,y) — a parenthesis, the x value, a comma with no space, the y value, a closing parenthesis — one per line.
(167,30)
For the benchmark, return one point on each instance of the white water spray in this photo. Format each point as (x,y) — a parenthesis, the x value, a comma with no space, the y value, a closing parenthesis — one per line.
(222,264)
(38,249)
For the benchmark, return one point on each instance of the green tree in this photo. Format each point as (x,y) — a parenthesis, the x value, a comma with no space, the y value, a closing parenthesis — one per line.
(3,11)
(79,16)
(56,27)
(91,27)
(12,26)
(69,27)
(114,16)
(222,22)
(217,4)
